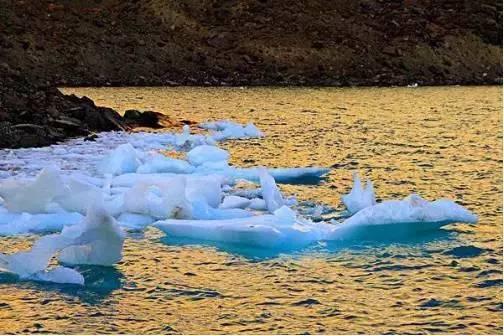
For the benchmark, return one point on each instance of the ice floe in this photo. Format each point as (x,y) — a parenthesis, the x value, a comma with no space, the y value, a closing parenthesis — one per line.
(32,196)
(124,180)
(412,209)
(123,159)
(280,229)
(96,240)
(224,130)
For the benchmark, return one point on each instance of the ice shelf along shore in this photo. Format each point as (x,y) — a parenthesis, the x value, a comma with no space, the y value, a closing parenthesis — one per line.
(85,196)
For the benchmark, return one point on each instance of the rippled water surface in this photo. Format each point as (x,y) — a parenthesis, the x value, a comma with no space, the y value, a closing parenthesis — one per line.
(439,142)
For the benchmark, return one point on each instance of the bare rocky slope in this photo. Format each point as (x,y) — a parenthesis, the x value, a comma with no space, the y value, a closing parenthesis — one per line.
(32,116)
(253,42)
(46,43)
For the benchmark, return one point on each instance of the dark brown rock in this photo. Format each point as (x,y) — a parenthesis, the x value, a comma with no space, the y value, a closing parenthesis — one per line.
(34,115)
(251,42)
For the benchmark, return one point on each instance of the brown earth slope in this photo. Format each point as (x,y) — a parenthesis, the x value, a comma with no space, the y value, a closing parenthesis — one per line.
(246,42)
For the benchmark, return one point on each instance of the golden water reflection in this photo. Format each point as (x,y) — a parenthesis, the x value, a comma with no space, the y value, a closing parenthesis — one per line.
(439,142)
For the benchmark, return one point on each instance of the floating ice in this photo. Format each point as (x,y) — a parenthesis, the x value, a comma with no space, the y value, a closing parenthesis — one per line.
(224,130)
(158,163)
(159,199)
(412,210)
(11,223)
(97,240)
(123,159)
(232,201)
(77,195)
(32,196)
(270,193)
(359,197)
(199,198)
(279,230)
(202,154)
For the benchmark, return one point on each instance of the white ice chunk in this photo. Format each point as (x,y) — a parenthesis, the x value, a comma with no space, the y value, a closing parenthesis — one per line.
(161,199)
(413,210)
(78,195)
(26,264)
(98,240)
(257,204)
(230,202)
(201,210)
(158,163)
(224,130)
(207,187)
(359,197)
(201,154)
(32,196)
(11,224)
(123,159)
(279,230)
(270,192)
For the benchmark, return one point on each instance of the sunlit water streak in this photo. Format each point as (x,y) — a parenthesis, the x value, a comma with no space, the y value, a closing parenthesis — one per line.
(439,142)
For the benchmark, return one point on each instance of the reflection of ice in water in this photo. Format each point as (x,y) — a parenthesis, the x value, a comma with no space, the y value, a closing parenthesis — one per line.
(193,199)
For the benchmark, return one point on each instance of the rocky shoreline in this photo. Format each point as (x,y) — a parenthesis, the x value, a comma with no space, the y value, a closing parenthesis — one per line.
(50,43)
(37,115)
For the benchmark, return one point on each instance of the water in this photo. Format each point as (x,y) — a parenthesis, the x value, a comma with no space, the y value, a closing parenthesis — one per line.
(439,142)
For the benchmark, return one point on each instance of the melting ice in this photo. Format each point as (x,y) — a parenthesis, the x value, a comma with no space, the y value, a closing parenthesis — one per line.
(94,190)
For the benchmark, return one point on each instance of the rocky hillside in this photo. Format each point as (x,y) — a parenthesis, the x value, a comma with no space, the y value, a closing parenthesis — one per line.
(247,42)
